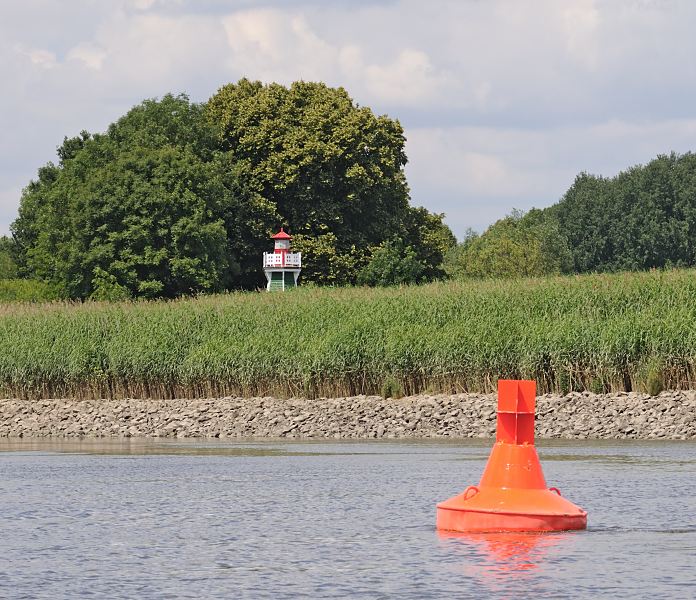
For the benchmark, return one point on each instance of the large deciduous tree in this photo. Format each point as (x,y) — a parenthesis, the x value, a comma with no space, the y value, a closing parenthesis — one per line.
(332,170)
(151,206)
(179,198)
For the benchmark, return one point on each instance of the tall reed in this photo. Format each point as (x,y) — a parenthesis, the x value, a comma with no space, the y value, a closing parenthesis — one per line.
(597,332)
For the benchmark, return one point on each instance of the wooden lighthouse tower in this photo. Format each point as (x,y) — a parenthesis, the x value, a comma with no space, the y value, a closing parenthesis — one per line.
(282,267)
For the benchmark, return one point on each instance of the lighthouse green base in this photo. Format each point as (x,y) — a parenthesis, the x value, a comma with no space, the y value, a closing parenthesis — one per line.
(281,279)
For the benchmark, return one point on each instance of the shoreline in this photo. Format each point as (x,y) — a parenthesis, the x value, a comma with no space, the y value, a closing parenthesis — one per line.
(578,415)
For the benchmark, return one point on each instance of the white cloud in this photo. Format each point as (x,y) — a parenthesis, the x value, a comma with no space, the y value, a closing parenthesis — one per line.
(256,35)
(91,55)
(282,45)
(142,4)
(273,45)
(580,23)
(44,59)
(411,79)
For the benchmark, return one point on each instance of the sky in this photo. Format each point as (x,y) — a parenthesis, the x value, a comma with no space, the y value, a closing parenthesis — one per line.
(503,102)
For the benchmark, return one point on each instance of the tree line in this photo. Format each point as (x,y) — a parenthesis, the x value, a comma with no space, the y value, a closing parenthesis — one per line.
(643,218)
(180,198)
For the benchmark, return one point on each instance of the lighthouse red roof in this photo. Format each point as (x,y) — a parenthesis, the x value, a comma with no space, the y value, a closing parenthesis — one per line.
(281,235)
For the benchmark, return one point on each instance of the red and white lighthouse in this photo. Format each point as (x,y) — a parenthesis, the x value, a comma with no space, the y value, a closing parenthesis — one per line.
(282,267)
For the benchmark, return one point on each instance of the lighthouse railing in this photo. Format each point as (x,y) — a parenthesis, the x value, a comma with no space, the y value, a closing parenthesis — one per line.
(291,260)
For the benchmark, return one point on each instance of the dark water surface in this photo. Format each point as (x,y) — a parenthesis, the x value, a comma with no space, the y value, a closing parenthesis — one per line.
(154,519)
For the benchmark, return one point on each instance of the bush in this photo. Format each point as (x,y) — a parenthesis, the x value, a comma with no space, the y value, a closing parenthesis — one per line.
(106,287)
(520,245)
(8,267)
(391,388)
(653,377)
(27,290)
(392,263)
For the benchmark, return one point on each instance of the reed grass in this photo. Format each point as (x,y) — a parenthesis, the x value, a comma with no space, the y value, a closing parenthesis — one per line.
(600,333)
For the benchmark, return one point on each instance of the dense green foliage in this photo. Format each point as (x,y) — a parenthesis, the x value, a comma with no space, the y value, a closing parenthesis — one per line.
(596,332)
(392,264)
(27,290)
(529,245)
(13,289)
(322,161)
(151,205)
(177,198)
(643,218)
(8,266)
(333,171)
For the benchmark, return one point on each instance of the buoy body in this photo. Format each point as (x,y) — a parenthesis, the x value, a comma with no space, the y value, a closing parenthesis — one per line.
(512,494)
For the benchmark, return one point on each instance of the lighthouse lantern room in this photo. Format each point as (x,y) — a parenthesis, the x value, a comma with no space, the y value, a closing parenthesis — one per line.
(282,267)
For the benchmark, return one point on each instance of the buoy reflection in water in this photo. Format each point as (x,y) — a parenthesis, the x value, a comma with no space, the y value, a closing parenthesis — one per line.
(502,553)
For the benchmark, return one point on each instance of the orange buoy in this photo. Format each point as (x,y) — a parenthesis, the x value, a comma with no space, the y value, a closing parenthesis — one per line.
(512,494)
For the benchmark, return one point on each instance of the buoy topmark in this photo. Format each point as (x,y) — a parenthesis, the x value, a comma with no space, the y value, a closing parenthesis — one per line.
(512,494)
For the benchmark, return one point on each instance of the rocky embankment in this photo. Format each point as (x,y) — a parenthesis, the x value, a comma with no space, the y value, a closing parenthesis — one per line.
(671,415)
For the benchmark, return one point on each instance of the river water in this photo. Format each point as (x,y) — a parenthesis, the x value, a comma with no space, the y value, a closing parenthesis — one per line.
(156,519)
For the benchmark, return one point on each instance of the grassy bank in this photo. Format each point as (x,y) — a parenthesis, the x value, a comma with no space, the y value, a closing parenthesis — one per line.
(600,333)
